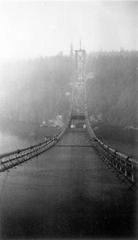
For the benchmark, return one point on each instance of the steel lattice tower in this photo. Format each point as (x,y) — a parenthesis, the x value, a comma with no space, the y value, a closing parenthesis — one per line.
(78,86)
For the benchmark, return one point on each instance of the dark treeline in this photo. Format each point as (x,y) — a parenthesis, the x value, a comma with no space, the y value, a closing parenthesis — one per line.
(113,92)
(35,90)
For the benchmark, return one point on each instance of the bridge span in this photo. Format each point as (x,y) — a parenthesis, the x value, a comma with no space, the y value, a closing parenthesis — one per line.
(79,188)
(69,192)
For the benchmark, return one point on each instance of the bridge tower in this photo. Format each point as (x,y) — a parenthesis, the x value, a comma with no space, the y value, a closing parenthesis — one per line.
(78,90)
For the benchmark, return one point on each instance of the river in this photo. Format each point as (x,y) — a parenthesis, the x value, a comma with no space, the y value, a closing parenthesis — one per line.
(11,142)
(127,148)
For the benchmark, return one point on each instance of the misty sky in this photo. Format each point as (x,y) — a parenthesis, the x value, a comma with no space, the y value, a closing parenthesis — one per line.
(32,29)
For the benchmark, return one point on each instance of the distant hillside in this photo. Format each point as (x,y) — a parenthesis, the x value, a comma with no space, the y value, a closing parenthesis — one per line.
(113,92)
(35,90)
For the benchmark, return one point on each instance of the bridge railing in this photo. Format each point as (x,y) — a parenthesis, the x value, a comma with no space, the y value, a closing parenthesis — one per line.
(19,156)
(124,165)
(14,158)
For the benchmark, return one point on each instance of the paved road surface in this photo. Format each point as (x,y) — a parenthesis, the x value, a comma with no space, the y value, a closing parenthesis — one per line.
(66,192)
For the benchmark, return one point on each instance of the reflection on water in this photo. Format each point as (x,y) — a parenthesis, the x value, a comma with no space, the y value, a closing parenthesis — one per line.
(11,142)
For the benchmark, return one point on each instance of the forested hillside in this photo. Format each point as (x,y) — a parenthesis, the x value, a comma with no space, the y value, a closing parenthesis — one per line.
(113,92)
(35,90)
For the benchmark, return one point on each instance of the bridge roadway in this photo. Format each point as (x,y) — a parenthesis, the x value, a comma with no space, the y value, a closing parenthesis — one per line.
(66,192)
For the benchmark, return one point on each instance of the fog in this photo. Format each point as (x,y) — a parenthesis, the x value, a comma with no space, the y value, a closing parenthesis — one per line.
(33,90)
(36,66)
(30,29)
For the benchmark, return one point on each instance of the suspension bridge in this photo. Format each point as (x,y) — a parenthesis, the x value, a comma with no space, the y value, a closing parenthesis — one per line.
(69,186)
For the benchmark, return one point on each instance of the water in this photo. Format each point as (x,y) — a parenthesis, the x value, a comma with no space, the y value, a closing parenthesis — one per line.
(128,149)
(10,142)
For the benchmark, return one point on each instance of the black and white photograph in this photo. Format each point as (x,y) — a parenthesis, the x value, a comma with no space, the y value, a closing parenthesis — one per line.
(68,120)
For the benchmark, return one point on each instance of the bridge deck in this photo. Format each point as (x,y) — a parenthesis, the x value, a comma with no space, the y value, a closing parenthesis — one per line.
(66,192)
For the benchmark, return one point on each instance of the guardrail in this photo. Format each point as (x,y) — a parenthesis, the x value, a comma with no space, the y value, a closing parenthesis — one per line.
(12,159)
(124,165)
